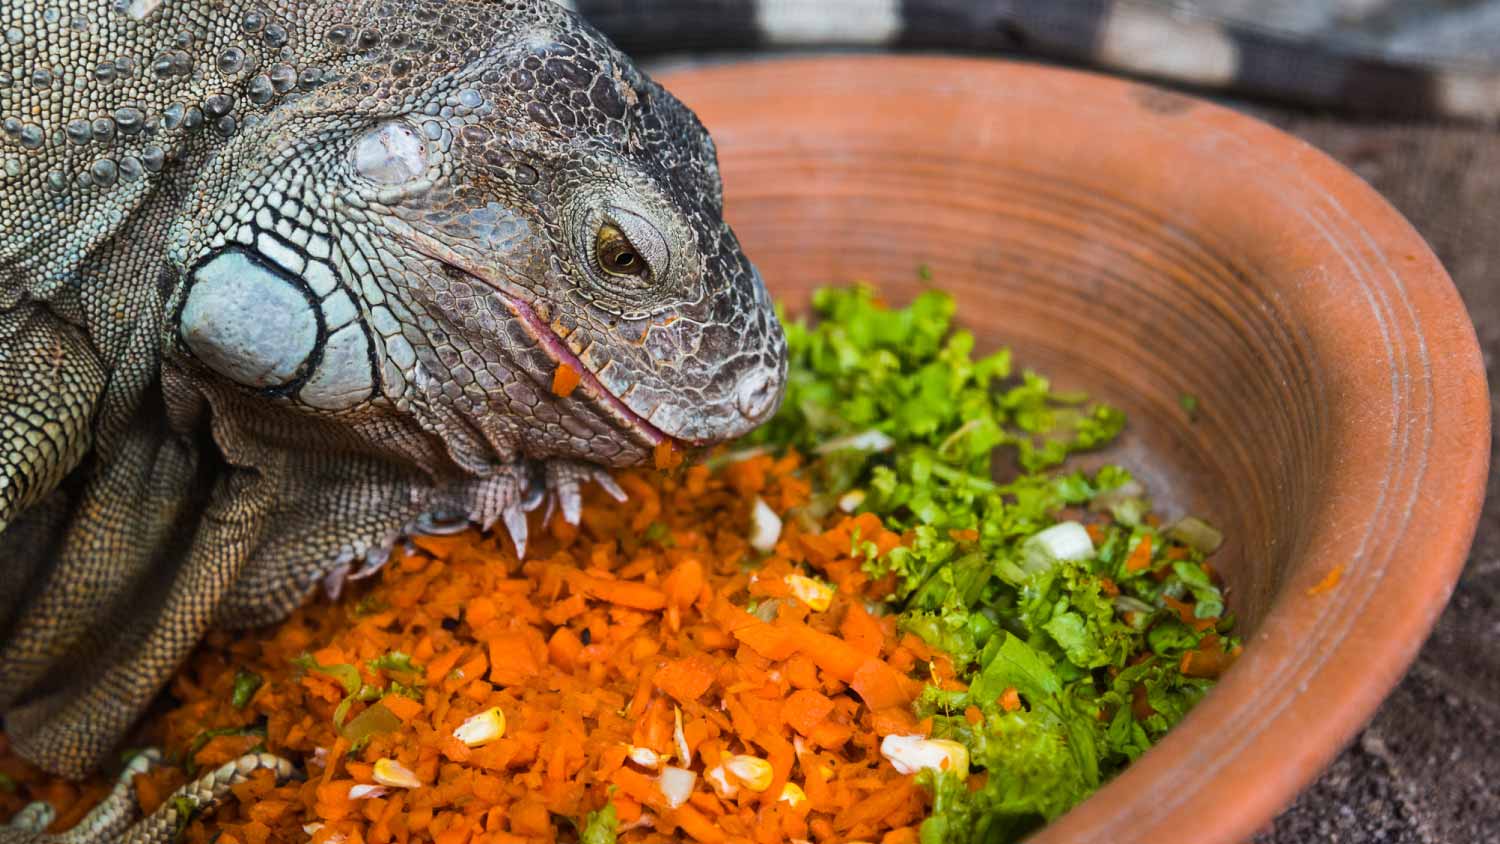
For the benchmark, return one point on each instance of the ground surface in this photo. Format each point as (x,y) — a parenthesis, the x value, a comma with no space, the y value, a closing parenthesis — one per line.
(1426,771)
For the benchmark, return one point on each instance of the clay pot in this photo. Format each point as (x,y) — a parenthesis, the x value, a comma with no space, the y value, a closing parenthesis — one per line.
(1143,245)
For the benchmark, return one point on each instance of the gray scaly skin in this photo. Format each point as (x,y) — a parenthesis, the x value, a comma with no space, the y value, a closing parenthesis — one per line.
(281,278)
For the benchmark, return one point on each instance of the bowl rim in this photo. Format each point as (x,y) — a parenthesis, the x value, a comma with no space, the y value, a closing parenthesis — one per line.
(1442,405)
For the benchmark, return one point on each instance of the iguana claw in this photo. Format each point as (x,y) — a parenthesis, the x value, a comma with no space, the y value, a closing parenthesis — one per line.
(114,820)
(565,479)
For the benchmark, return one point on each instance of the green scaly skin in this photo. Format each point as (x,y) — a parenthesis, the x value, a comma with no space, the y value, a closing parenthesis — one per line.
(280,279)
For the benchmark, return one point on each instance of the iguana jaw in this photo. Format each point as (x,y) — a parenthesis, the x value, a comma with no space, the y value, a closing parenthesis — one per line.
(554,346)
(545,338)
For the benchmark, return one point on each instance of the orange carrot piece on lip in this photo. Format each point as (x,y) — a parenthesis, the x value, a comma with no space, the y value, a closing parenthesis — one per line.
(565,379)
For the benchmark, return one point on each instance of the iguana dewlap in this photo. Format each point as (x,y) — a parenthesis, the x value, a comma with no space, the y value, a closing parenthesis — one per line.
(279,279)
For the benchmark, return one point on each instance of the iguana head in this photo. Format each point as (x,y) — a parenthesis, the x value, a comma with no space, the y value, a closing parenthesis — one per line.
(473,200)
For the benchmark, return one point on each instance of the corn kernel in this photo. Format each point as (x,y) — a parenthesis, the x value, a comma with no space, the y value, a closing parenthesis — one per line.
(793,794)
(815,594)
(720,781)
(909,754)
(479,729)
(752,772)
(394,774)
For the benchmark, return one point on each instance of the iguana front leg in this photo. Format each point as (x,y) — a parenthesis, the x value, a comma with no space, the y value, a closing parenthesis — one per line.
(50,382)
(114,820)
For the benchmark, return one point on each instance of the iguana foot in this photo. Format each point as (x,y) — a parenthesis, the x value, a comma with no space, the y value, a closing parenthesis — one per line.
(507,497)
(565,479)
(114,820)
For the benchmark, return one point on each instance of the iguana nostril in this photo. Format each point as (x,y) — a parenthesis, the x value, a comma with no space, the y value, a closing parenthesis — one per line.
(757,396)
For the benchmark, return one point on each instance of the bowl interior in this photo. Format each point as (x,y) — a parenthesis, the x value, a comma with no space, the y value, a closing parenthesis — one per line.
(1144,247)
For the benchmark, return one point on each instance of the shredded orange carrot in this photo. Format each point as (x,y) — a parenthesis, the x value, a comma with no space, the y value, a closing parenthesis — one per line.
(1140,558)
(1010,699)
(667,456)
(591,649)
(565,379)
(1209,659)
(1328,582)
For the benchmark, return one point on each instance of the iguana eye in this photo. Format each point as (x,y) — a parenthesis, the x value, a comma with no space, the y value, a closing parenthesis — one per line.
(615,253)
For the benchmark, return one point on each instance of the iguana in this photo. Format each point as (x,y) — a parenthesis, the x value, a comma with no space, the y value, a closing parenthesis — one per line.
(280,279)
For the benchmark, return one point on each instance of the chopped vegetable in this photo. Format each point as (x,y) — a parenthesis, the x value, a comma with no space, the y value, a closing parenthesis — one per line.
(1189,404)
(676,785)
(391,773)
(818,596)
(751,772)
(481,729)
(565,379)
(1328,582)
(601,826)
(246,683)
(853,627)
(765,527)
(910,754)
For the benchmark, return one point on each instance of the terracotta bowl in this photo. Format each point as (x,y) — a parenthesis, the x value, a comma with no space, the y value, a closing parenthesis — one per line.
(1143,245)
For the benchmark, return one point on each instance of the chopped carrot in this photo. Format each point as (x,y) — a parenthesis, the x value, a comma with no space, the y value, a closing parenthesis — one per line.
(697,827)
(805,708)
(548,685)
(402,707)
(1010,699)
(565,379)
(862,630)
(1140,557)
(686,679)
(771,641)
(628,594)
(881,686)
(831,654)
(667,456)
(1329,581)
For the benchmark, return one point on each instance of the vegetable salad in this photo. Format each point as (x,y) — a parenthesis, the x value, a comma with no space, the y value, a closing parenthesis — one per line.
(893,614)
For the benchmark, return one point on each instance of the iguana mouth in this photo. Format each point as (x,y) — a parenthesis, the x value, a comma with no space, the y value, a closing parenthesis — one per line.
(559,351)
(546,339)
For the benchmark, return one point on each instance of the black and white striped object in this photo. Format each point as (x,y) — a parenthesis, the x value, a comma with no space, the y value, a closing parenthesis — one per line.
(1150,39)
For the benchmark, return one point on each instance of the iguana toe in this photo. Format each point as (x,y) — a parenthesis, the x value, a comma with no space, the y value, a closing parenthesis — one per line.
(565,479)
(34,817)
